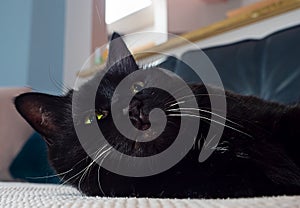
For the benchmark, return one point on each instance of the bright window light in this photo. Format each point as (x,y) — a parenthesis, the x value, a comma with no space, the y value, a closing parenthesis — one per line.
(117,9)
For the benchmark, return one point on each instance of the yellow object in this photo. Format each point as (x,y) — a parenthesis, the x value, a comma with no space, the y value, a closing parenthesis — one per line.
(90,118)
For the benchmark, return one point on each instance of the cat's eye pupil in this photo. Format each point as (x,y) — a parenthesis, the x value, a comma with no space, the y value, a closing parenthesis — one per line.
(137,86)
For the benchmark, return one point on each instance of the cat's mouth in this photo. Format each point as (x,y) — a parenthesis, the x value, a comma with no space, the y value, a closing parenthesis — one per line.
(140,123)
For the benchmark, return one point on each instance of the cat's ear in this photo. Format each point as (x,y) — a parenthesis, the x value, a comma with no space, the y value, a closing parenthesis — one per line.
(43,112)
(119,53)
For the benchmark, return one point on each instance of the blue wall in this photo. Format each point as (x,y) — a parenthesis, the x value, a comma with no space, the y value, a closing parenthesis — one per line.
(15,25)
(32,43)
(47,42)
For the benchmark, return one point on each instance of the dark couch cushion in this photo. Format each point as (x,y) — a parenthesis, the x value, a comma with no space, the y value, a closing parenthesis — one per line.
(32,163)
(268,68)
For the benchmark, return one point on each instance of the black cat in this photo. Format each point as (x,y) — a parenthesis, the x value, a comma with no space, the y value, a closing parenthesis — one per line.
(257,154)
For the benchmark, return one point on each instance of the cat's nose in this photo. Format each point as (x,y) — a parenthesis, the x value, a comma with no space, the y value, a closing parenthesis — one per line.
(144,118)
(137,115)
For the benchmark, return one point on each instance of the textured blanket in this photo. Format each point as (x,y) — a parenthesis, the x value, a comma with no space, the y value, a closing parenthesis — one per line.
(45,195)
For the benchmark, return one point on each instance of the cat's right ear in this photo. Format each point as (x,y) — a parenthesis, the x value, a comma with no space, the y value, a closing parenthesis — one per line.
(43,112)
(119,53)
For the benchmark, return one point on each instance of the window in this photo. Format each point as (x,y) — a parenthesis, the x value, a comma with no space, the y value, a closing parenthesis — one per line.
(118,9)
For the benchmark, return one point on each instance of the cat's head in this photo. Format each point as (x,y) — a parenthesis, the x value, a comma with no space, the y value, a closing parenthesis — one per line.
(54,117)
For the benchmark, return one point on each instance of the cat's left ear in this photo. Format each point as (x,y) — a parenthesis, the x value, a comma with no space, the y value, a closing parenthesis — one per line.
(119,53)
(43,112)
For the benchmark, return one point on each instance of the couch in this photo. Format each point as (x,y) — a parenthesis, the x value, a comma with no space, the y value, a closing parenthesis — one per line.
(268,68)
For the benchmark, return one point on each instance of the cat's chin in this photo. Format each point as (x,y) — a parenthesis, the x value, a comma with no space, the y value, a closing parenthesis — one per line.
(146,135)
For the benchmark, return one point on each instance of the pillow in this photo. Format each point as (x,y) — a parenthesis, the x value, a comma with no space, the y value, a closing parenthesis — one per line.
(267,68)
(31,164)
(14,130)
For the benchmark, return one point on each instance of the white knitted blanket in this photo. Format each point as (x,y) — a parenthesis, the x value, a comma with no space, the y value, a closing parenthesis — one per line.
(44,195)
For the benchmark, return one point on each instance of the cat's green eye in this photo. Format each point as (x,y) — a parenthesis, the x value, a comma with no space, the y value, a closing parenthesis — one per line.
(88,120)
(137,86)
(91,118)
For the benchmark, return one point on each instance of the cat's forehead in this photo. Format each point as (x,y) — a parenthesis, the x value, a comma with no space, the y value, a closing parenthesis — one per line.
(104,83)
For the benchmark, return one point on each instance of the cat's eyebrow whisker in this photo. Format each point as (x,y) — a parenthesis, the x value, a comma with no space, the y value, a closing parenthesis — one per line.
(206,111)
(205,118)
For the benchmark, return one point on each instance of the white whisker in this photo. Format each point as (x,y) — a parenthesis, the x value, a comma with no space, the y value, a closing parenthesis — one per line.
(206,143)
(217,122)
(98,155)
(98,175)
(200,94)
(50,176)
(206,111)
(77,174)
(177,103)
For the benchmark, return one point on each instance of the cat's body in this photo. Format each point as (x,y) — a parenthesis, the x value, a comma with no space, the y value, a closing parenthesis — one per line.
(257,154)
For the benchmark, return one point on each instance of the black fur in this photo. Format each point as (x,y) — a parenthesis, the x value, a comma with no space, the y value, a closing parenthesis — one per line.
(260,159)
